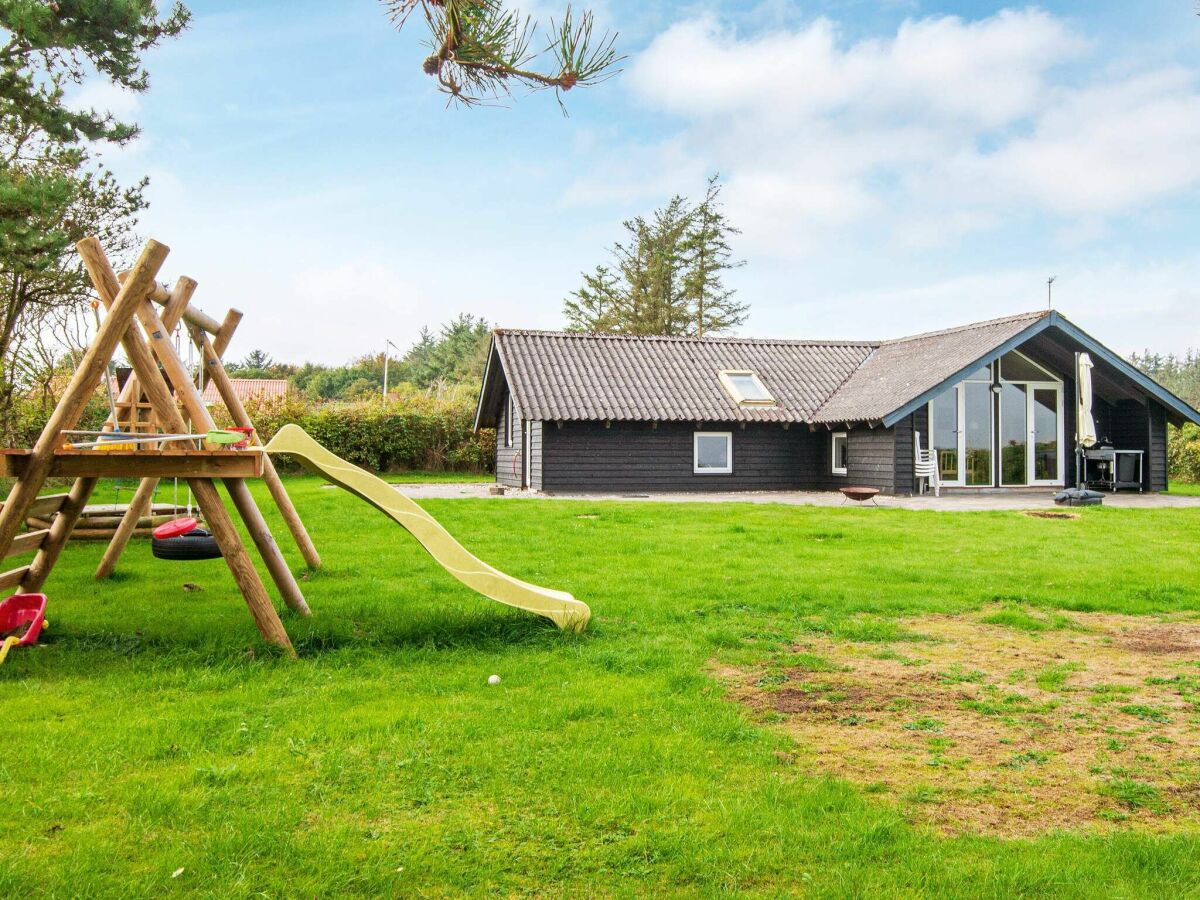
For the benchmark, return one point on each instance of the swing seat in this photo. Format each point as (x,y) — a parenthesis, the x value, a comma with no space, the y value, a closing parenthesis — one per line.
(19,610)
(176,528)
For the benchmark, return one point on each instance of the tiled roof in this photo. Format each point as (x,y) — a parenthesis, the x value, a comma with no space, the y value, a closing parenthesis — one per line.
(905,368)
(250,389)
(565,376)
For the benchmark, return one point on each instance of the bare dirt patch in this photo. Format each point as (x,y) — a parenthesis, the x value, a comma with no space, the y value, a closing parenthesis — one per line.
(1050,514)
(999,729)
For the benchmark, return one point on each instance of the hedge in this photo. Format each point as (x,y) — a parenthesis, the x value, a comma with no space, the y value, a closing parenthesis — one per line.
(1183,453)
(413,432)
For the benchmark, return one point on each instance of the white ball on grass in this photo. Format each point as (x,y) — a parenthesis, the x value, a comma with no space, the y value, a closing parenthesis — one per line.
(493,679)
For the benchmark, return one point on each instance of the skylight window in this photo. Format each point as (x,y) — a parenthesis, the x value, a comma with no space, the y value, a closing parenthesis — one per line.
(745,388)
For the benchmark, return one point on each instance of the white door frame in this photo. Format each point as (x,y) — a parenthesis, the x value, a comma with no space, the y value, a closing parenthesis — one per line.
(960,438)
(528,441)
(1030,442)
(1031,462)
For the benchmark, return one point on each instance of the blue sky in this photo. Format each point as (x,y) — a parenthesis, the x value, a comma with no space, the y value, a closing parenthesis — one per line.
(894,166)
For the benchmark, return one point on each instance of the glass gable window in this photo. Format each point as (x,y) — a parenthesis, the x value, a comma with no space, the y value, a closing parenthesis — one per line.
(712,452)
(746,388)
(1015,366)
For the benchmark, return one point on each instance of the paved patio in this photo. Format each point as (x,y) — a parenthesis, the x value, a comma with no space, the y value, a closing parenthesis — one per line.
(948,502)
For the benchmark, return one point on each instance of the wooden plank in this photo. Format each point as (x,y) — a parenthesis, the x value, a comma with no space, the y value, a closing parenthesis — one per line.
(28,542)
(139,464)
(60,533)
(12,577)
(47,505)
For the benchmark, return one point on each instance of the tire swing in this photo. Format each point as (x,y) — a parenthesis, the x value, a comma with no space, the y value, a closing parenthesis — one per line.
(181,539)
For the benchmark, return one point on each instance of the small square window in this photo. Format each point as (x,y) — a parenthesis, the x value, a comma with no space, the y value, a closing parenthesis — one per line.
(712,453)
(746,388)
(838,453)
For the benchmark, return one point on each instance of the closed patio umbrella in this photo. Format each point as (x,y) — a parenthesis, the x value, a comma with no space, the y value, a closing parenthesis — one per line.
(1086,426)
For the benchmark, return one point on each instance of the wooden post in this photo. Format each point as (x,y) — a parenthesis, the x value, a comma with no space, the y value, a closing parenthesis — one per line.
(221,341)
(209,501)
(144,496)
(239,491)
(95,362)
(212,366)
(60,533)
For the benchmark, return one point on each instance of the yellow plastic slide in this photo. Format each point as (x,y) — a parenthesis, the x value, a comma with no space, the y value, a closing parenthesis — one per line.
(560,607)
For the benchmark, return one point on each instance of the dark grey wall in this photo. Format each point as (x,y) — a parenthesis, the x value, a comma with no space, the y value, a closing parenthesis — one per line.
(509,461)
(1157,463)
(637,457)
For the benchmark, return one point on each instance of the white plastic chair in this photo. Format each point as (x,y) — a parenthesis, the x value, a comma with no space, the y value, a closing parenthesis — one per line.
(925,467)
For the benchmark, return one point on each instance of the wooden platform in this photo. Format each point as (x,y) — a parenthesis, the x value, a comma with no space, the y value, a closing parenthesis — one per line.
(140,464)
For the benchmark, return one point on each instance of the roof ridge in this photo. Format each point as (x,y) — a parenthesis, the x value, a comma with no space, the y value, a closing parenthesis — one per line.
(682,339)
(1032,315)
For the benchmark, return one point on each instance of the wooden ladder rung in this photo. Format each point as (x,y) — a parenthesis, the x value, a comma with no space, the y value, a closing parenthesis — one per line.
(13,577)
(45,506)
(30,540)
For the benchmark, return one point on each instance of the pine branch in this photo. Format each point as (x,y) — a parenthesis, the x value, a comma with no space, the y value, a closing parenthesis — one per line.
(480,49)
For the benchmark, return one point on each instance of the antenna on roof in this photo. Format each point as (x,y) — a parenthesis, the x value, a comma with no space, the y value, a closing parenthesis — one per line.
(1049,292)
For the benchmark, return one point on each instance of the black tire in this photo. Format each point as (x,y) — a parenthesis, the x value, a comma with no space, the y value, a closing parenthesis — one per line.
(196,544)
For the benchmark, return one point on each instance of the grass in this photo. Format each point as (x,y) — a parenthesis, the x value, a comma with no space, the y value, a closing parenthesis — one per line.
(1184,489)
(154,746)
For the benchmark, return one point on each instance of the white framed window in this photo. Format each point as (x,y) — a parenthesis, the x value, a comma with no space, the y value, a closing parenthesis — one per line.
(712,452)
(745,388)
(837,453)
(508,421)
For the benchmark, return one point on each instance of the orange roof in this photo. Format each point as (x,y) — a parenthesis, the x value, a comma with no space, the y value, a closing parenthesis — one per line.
(250,389)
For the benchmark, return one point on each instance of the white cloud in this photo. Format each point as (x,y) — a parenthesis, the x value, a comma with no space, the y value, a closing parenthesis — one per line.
(104,96)
(943,128)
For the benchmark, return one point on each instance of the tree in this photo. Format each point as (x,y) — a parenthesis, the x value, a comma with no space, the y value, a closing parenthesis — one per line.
(53,192)
(667,276)
(479,49)
(255,359)
(708,256)
(453,356)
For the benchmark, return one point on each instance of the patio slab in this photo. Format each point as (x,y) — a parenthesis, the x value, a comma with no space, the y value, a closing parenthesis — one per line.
(948,502)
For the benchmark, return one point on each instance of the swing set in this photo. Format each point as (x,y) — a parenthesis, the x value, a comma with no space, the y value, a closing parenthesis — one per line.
(159,427)
(147,438)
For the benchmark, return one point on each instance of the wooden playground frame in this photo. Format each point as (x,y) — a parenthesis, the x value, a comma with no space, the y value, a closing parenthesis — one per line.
(160,396)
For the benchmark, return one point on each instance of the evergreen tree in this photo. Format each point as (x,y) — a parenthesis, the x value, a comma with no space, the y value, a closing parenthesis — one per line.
(596,304)
(708,256)
(667,277)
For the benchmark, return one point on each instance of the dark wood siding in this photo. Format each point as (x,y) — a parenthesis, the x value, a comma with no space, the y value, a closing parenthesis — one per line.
(638,457)
(1130,423)
(871,458)
(508,459)
(535,451)
(903,433)
(1157,462)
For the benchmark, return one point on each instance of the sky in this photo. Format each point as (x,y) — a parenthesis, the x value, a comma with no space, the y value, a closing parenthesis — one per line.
(894,167)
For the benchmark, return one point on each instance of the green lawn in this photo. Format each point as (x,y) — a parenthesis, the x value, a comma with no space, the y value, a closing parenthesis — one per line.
(154,746)
(1185,488)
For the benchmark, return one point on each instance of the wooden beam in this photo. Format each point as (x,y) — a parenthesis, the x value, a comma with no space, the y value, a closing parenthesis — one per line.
(60,533)
(260,533)
(46,505)
(94,363)
(162,296)
(138,463)
(213,509)
(213,368)
(233,318)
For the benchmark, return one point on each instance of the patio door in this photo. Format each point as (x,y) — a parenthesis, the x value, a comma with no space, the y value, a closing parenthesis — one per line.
(960,429)
(1031,434)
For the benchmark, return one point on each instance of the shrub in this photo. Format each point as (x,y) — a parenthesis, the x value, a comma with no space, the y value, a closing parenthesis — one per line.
(1183,453)
(411,431)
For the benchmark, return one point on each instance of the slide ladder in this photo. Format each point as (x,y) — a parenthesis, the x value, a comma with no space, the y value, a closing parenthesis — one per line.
(560,607)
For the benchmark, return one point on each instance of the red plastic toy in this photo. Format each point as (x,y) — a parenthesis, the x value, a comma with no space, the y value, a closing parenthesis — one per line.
(23,609)
(176,527)
(243,444)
